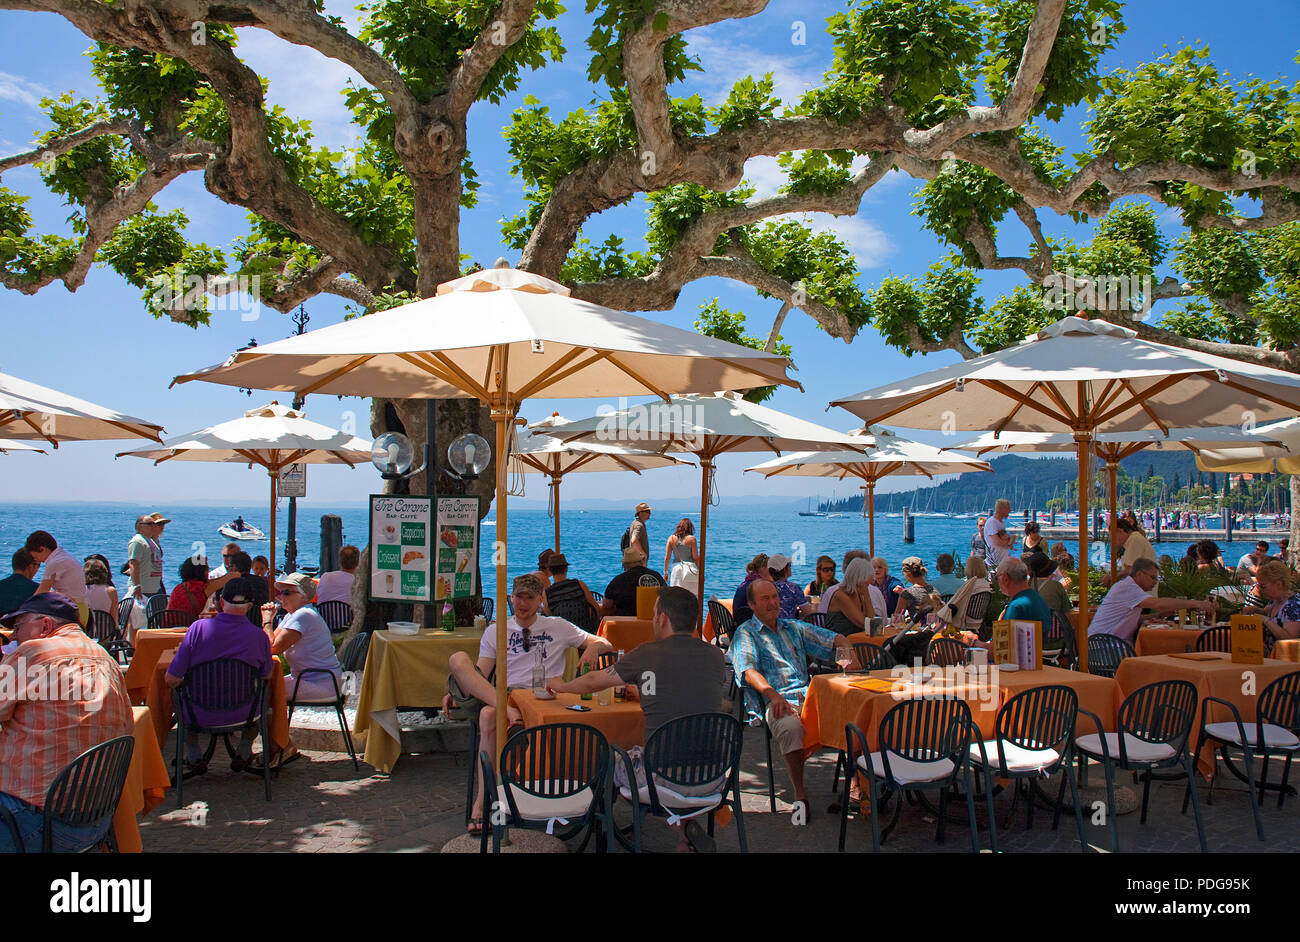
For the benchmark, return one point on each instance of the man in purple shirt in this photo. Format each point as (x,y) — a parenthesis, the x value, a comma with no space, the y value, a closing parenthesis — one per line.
(229,634)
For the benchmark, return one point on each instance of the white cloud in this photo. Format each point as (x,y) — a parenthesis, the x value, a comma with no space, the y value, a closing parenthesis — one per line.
(727,62)
(16,88)
(870,244)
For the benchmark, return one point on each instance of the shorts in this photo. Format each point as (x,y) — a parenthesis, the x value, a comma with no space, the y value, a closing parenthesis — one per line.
(638,769)
(470,706)
(787,731)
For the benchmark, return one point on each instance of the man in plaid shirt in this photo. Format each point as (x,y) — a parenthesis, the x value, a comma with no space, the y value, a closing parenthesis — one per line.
(770,654)
(60,695)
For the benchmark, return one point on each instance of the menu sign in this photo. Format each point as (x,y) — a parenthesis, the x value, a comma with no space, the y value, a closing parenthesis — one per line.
(456,563)
(1247,635)
(401,557)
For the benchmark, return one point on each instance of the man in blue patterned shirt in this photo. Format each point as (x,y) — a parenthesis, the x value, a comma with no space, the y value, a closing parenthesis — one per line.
(771,654)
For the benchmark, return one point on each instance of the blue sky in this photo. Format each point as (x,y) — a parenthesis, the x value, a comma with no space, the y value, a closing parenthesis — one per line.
(99,343)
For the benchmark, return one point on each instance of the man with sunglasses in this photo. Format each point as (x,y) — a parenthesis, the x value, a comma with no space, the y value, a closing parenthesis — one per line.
(60,695)
(531,639)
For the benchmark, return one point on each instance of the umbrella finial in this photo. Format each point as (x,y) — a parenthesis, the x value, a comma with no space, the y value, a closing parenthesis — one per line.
(501,262)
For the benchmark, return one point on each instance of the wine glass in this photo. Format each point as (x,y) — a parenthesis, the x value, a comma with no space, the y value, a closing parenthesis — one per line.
(844,658)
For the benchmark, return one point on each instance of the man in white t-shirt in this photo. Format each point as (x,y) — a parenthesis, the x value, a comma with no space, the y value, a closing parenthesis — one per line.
(63,572)
(531,639)
(996,539)
(144,558)
(1249,564)
(1121,610)
(227,552)
(336,585)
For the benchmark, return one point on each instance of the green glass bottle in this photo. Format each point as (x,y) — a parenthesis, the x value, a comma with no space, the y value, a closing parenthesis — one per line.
(448,617)
(586,668)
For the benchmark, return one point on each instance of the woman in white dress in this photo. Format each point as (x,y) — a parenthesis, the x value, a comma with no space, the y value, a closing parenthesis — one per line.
(684,553)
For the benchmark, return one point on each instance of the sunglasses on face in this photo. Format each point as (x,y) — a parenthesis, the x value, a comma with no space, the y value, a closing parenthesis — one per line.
(825,568)
(285,591)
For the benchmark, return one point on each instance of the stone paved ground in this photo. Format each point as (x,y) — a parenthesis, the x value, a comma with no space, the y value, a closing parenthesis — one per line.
(321,805)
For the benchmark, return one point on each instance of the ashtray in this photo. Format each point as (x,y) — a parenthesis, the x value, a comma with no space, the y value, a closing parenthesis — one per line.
(1009,667)
(404,627)
(542,694)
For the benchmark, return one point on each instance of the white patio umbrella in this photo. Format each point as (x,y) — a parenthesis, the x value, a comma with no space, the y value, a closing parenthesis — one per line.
(6,446)
(532,453)
(38,413)
(271,436)
(1083,377)
(1272,448)
(1112,448)
(502,336)
(887,453)
(706,426)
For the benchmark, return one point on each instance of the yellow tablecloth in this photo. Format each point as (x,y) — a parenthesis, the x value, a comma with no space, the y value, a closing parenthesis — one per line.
(404,670)
(146,782)
(149,644)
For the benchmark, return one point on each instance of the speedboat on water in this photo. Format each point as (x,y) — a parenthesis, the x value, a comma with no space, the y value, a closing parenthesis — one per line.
(248,533)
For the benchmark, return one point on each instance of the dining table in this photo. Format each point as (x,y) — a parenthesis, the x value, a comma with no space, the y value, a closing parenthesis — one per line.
(625,633)
(147,781)
(149,645)
(622,722)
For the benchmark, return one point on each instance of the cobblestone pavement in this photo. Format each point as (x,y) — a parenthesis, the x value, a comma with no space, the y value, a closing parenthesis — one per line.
(320,803)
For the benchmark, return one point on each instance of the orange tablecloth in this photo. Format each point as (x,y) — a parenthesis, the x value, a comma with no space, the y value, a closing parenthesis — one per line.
(159,700)
(146,783)
(1287,649)
(623,724)
(149,644)
(1153,640)
(833,701)
(1213,678)
(626,633)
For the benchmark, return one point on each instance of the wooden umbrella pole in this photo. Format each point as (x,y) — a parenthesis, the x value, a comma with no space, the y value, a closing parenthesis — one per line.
(706,467)
(270,572)
(1081,627)
(502,417)
(871,516)
(1112,471)
(555,509)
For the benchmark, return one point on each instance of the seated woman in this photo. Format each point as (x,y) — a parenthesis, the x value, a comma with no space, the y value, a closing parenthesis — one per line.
(1282,609)
(100,594)
(914,594)
(1209,559)
(1042,571)
(824,580)
(756,568)
(335,586)
(848,603)
(954,613)
(191,596)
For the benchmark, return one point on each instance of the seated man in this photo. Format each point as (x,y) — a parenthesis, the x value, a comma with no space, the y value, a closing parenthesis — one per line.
(21,585)
(336,585)
(72,700)
(1121,610)
(947,582)
(771,654)
(1134,544)
(1024,604)
(620,594)
(228,634)
(240,566)
(688,676)
(531,640)
(567,597)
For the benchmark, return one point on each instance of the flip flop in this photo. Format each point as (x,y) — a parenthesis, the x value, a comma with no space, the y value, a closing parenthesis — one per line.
(475,827)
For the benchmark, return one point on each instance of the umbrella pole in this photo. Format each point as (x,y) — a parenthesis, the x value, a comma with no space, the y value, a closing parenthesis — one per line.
(270,573)
(1081,627)
(871,516)
(501,416)
(1112,470)
(555,509)
(706,467)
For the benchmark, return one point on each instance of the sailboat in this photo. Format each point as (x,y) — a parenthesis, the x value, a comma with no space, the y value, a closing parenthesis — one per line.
(810,512)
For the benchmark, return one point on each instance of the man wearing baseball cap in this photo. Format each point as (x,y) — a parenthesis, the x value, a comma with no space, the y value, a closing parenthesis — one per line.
(60,695)
(228,634)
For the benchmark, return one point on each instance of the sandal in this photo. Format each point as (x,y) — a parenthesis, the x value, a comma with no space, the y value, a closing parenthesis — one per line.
(189,769)
(280,759)
(475,827)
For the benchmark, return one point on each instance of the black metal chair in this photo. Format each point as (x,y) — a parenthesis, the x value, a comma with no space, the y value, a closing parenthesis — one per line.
(225,685)
(872,657)
(488,606)
(1033,738)
(1155,723)
(924,744)
(101,627)
(1275,731)
(945,652)
(336,702)
(84,795)
(605,660)
(691,768)
(352,656)
(1105,652)
(978,605)
(1058,642)
(551,775)
(741,688)
(577,612)
(124,612)
(337,615)
(170,618)
(815,618)
(1218,638)
(156,603)
(121,650)
(723,625)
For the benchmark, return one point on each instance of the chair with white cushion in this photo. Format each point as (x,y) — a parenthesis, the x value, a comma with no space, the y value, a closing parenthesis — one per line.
(1155,724)
(691,768)
(554,775)
(924,744)
(1033,738)
(1272,733)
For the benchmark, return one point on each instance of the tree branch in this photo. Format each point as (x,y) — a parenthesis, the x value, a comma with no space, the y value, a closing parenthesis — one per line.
(503,32)
(58,146)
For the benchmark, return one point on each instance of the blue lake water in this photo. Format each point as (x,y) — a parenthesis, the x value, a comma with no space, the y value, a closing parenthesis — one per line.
(590,538)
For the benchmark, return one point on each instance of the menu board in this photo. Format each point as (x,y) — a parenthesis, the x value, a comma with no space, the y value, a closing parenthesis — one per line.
(400,545)
(456,562)
(1019,643)
(1247,634)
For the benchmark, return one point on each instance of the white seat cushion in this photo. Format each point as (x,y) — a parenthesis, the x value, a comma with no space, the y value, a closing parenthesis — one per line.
(550,810)
(907,772)
(1138,750)
(1275,737)
(681,806)
(1019,759)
